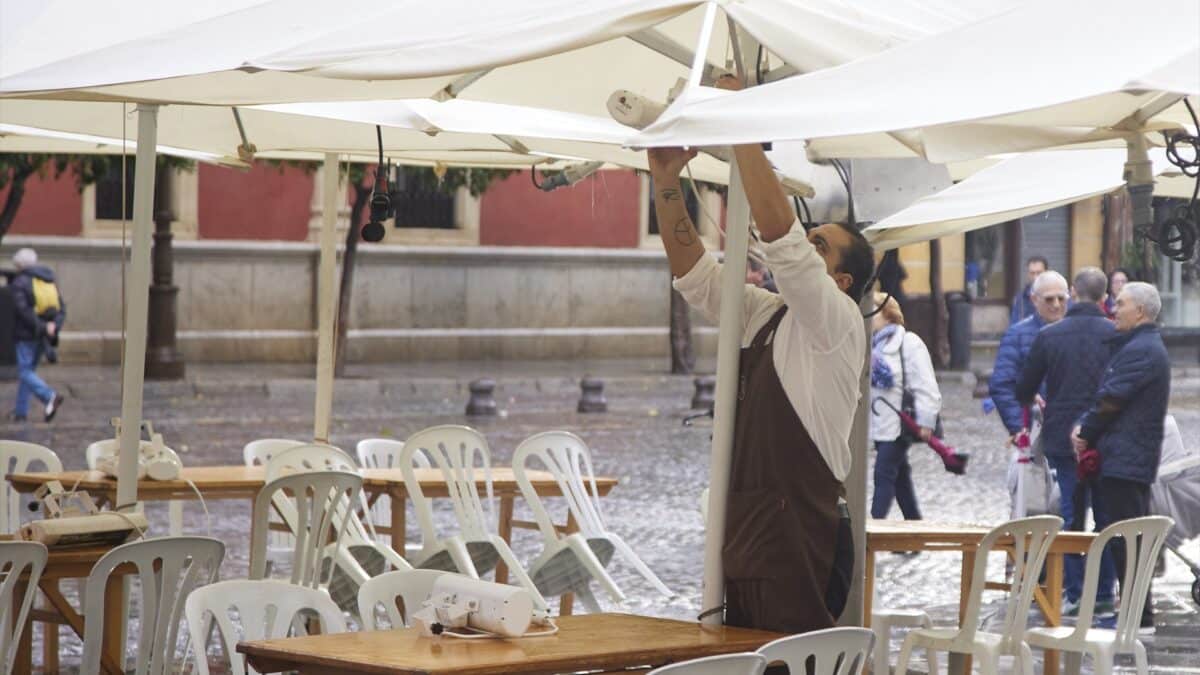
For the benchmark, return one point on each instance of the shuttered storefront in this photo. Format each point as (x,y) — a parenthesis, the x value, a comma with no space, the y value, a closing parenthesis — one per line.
(1048,234)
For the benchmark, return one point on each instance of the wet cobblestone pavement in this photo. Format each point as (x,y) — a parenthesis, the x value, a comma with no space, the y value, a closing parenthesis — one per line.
(661,465)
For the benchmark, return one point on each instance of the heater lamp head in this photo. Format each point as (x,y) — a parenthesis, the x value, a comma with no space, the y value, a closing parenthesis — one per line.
(373,232)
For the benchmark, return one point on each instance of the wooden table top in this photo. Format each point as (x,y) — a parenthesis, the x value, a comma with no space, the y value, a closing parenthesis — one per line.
(74,562)
(587,642)
(912,535)
(235,481)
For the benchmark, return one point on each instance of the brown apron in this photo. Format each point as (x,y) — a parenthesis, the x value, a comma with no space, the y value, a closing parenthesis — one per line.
(786,543)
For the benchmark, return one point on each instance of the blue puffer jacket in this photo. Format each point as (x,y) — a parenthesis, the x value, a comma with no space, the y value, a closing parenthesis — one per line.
(1125,421)
(1010,359)
(1069,357)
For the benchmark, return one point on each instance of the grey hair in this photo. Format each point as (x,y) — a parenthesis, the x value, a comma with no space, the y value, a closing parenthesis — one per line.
(1091,284)
(1144,295)
(1046,278)
(25,258)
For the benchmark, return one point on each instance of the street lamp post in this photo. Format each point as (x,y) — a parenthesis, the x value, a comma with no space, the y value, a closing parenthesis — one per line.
(163,360)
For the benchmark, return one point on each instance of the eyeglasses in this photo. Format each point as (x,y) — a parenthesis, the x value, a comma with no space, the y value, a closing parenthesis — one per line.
(1054,298)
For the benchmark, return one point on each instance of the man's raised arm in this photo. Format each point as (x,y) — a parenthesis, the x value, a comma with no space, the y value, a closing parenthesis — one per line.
(769,203)
(675,226)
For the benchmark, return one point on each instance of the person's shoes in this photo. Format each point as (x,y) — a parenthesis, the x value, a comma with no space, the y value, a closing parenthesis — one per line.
(53,406)
(13,417)
(1070,607)
(1108,622)
(1147,625)
(1105,608)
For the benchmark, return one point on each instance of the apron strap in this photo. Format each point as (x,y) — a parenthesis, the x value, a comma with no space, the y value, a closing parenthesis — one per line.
(760,339)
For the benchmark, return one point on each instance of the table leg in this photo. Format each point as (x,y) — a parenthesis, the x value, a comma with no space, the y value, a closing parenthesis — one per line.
(868,587)
(1054,591)
(567,601)
(112,648)
(23,658)
(961,663)
(504,528)
(399,521)
(50,638)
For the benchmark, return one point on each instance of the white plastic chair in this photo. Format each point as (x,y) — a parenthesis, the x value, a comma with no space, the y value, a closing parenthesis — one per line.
(266,609)
(258,453)
(1031,541)
(308,502)
(1144,538)
(109,447)
(834,651)
(169,569)
(19,457)
(883,620)
(748,663)
(458,452)
(17,558)
(384,453)
(567,458)
(411,587)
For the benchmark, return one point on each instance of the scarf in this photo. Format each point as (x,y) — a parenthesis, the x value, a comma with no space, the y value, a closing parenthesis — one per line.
(881,373)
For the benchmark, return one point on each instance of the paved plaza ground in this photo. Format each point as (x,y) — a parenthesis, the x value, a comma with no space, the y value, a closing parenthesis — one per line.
(662,465)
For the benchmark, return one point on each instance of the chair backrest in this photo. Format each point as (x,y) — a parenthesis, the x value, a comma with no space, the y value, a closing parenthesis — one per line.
(748,663)
(1031,538)
(567,458)
(17,558)
(19,457)
(262,450)
(266,609)
(313,504)
(109,447)
(384,453)
(411,587)
(458,452)
(1143,539)
(169,568)
(833,651)
(320,457)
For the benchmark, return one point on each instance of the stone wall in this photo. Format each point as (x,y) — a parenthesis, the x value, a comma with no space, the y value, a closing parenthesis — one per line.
(255,301)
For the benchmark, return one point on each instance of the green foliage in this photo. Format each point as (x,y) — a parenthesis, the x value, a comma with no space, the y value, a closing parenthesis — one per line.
(423,178)
(87,169)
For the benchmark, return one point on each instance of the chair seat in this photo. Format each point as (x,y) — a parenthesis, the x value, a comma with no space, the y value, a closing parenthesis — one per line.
(944,639)
(901,617)
(1052,638)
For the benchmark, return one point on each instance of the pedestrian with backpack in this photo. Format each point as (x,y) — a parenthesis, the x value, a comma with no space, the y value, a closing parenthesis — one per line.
(40,312)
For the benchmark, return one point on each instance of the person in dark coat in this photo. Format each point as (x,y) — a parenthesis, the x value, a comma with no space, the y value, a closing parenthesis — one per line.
(1069,358)
(1022,305)
(1125,420)
(33,328)
(1049,293)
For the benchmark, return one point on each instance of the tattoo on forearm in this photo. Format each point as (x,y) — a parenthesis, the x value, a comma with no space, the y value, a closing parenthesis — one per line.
(669,194)
(684,234)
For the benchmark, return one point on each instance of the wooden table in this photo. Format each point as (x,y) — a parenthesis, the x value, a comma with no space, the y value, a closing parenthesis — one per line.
(589,642)
(245,482)
(70,564)
(920,535)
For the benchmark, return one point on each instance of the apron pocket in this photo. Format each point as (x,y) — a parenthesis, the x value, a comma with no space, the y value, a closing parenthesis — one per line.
(758,534)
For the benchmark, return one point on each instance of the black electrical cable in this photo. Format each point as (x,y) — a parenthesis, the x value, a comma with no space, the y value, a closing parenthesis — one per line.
(875,277)
(1177,236)
(844,174)
(802,212)
(379,138)
(533,177)
(758,65)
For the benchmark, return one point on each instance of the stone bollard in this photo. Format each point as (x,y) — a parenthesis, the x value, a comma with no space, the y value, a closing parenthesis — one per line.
(483,400)
(703,399)
(592,399)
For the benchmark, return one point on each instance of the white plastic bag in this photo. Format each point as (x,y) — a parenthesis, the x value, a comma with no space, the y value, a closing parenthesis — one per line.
(1031,483)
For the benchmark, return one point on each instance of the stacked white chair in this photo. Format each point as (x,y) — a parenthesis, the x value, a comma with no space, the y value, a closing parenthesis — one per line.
(1143,539)
(258,453)
(169,569)
(384,453)
(17,558)
(459,452)
(354,538)
(748,663)
(109,447)
(568,563)
(1031,542)
(883,620)
(20,457)
(410,587)
(266,609)
(833,651)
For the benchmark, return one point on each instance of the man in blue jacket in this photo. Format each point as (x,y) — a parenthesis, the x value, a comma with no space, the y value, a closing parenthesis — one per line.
(1022,305)
(1069,357)
(1049,293)
(1125,420)
(40,312)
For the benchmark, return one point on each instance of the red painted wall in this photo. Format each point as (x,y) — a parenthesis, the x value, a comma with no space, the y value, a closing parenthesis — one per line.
(600,211)
(50,207)
(265,202)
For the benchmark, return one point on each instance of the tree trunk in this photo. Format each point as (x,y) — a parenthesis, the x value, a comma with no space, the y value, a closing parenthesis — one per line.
(16,193)
(362,196)
(683,358)
(941,340)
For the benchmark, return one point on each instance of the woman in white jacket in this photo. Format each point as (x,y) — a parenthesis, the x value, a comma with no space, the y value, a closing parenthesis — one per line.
(890,375)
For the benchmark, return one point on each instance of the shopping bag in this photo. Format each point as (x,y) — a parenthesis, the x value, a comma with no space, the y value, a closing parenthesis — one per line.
(1031,484)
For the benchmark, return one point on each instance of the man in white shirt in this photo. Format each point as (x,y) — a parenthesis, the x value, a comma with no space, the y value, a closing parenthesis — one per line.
(787,553)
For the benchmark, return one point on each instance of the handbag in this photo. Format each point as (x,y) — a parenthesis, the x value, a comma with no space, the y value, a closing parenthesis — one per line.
(908,402)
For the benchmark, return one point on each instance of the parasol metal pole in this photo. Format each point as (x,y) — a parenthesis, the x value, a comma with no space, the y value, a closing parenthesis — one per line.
(1139,182)
(856,482)
(137,307)
(700,58)
(326,300)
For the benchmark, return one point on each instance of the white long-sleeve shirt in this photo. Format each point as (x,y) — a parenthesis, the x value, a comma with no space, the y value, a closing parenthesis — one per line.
(820,346)
(922,382)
